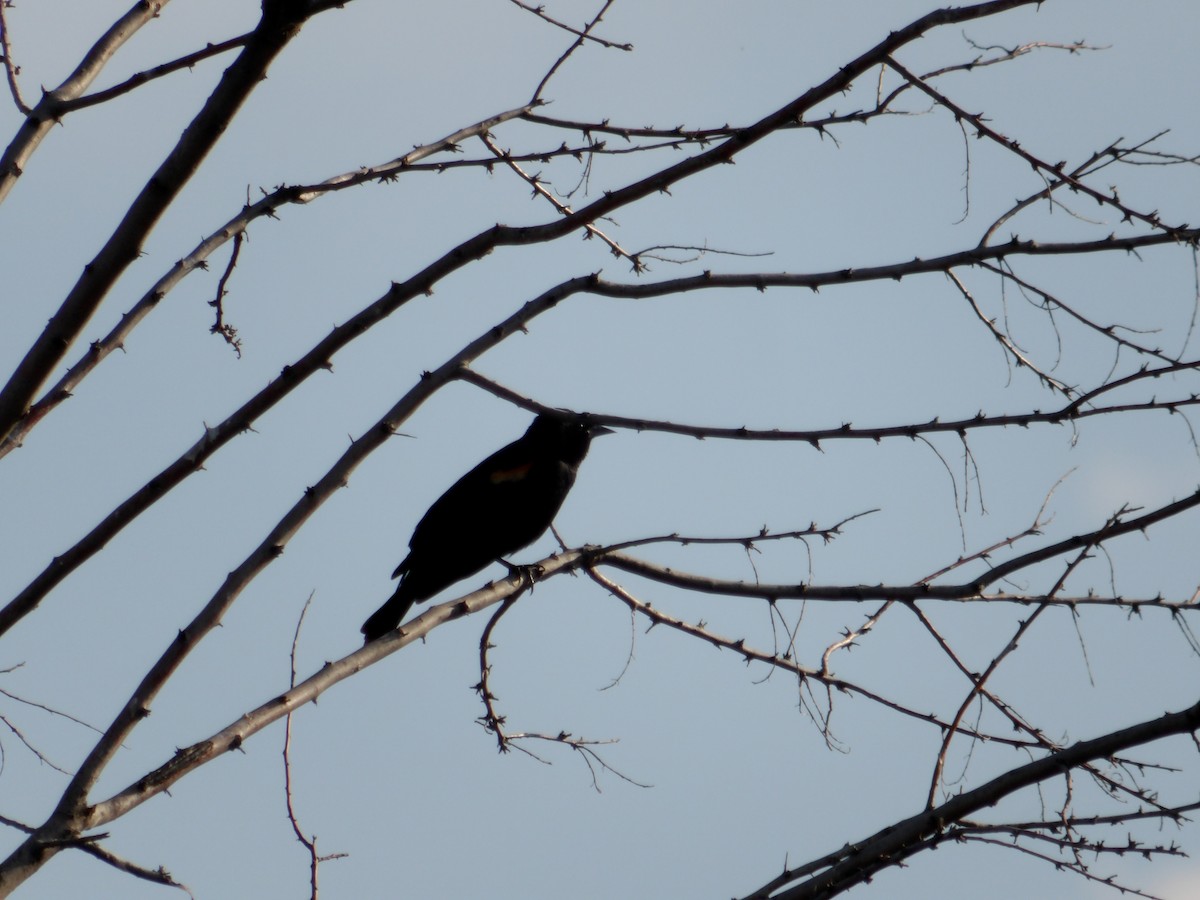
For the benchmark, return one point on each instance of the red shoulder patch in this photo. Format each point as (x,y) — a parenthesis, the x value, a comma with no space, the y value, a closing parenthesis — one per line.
(516,473)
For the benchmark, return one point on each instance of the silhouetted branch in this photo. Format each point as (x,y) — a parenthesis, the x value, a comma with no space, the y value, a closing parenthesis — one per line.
(860,860)
(585,34)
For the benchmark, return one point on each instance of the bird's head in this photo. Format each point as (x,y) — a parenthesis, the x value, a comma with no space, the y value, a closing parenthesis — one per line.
(567,435)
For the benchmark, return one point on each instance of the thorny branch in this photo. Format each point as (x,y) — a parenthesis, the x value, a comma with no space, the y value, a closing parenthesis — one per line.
(11,69)
(267,207)
(1006,342)
(309,843)
(493,722)
(278,25)
(540,190)
(137,80)
(968,590)
(220,326)
(319,358)
(587,558)
(979,682)
(1082,406)
(805,675)
(585,34)
(1051,171)
(858,861)
(836,871)
(16,396)
(581,38)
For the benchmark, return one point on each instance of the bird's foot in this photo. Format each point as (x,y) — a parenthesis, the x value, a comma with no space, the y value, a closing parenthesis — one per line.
(528,574)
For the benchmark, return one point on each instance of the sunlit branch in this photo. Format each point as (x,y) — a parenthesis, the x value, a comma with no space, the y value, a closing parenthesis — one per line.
(11,69)
(42,117)
(279,23)
(141,78)
(267,207)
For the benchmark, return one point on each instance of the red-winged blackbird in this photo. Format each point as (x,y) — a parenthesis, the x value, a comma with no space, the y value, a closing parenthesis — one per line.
(500,506)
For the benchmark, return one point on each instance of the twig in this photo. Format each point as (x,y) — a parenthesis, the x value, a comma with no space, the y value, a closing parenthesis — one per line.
(279,23)
(491,720)
(540,190)
(1003,339)
(580,39)
(49,709)
(310,844)
(267,207)
(805,674)
(141,78)
(540,12)
(11,69)
(41,757)
(155,876)
(220,326)
(1077,867)
(1053,171)
(1051,301)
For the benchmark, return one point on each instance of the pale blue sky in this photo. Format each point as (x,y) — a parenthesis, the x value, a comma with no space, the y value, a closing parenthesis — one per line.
(390,766)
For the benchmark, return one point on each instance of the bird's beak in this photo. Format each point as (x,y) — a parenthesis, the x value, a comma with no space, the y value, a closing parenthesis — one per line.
(597,430)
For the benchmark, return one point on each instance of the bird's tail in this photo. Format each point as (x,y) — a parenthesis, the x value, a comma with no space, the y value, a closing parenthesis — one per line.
(389,615)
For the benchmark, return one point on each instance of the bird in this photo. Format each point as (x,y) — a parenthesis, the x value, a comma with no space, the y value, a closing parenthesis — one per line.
(499,507)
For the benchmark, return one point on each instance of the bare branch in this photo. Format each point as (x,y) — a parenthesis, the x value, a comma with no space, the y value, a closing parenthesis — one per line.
(220,326)
(233,736)
(582,37)
(279,24)
(309,844)
(540,190)
(141,78)
(1081,407)
(154,876)
(41,118)
(11,69)
(804,674)
(585,34)
(1053,171)
(1003,339)
(972,590)
(266,207)
(860,860)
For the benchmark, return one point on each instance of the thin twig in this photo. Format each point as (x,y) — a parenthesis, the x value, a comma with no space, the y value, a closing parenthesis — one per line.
(141,78)
(581,37)
(540,12)
(540,190)
(310,844)
(1050,170)
(154,876)
(220,326)
(11,69)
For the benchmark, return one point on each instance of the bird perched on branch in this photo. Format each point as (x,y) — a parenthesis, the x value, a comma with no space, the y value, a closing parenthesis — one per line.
(502,505)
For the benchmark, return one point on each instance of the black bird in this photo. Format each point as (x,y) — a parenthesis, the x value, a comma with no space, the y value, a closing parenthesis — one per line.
(503,504)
